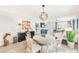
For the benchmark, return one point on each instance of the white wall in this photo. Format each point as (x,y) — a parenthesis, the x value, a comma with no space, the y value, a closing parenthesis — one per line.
(7,24)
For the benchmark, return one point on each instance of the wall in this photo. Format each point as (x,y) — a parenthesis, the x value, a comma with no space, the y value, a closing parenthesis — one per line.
(7,24)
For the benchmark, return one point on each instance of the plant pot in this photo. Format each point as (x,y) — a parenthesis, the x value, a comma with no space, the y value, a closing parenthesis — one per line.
(71,44)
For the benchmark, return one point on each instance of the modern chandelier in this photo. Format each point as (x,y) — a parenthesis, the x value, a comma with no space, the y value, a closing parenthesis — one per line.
(43,16)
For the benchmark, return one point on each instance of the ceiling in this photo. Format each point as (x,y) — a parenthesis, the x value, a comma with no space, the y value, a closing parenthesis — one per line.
(33,11)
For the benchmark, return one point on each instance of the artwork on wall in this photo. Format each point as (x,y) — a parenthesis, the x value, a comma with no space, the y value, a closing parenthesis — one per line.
(37,28)
(42,25)
(44,31)
(26,25)
(41,28)
(36,25)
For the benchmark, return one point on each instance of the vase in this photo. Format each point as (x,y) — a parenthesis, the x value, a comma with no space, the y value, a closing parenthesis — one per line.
(71,44)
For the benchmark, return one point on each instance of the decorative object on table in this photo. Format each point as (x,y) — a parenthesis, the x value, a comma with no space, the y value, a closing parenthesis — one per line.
(32,33)
(15,39)
(6,38)
(43,16)
(64,42)
(76,45)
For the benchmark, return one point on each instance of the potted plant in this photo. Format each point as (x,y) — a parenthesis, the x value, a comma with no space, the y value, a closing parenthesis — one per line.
(70,36)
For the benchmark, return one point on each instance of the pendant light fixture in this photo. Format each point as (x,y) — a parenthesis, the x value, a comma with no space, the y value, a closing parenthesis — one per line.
(43,16)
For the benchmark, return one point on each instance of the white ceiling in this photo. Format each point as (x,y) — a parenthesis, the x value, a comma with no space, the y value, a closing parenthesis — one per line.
(33,11)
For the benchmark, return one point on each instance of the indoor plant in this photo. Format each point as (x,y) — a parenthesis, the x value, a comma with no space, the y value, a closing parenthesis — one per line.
(70,37)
